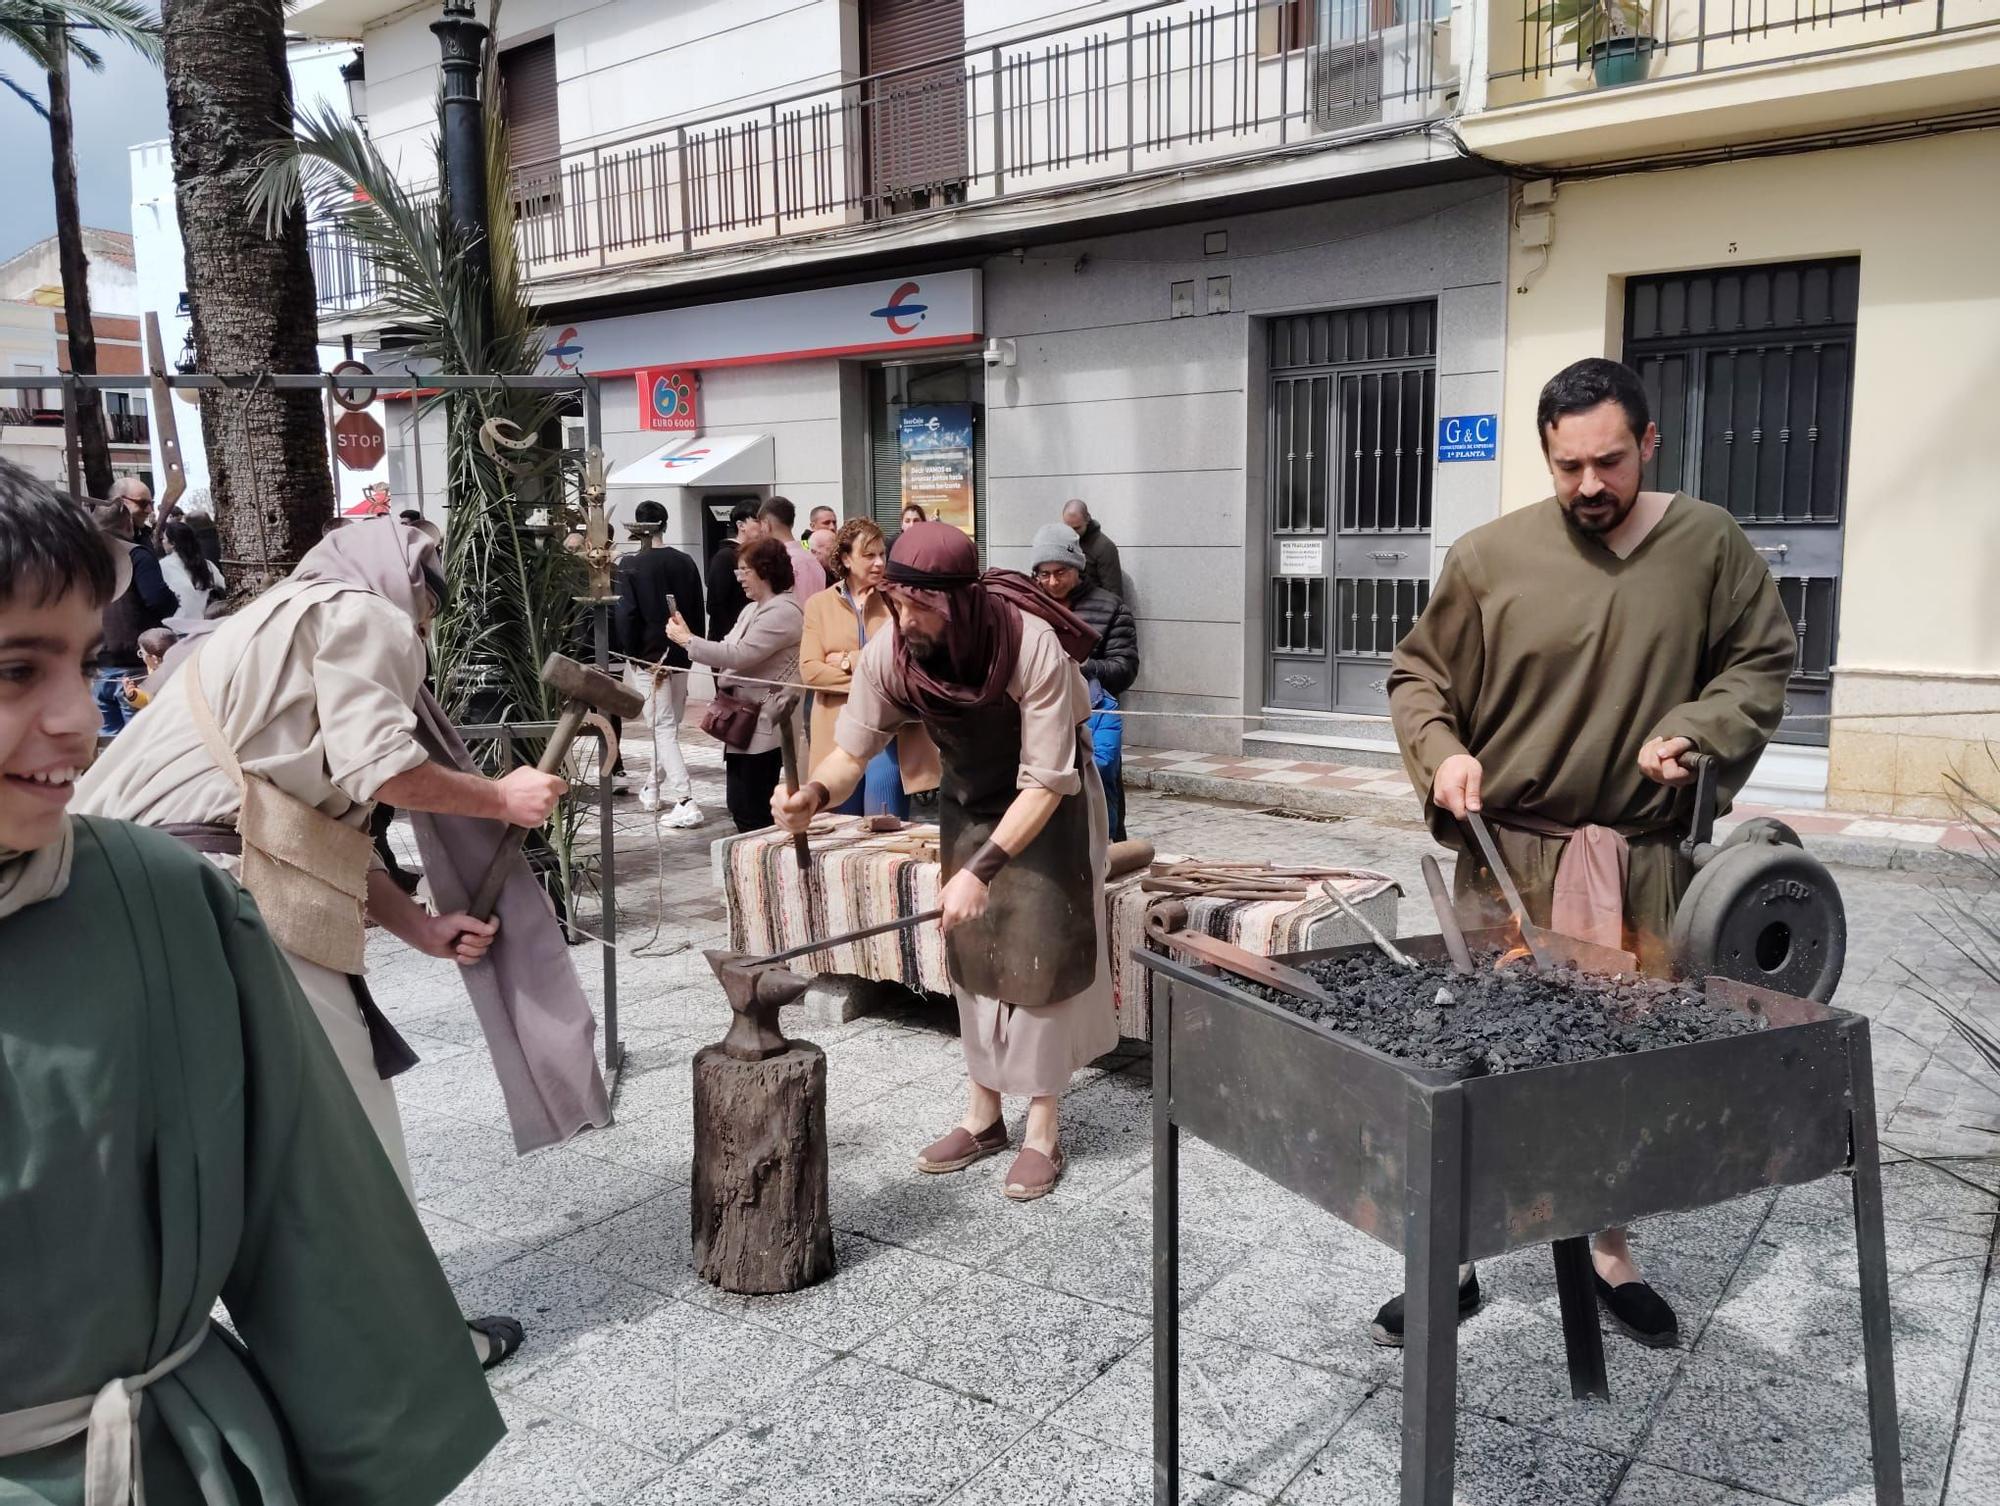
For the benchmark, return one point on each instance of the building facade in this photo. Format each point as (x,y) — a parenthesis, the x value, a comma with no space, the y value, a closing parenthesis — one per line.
(1271,286)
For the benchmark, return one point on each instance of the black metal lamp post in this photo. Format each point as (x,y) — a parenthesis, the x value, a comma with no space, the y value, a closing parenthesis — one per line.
(462,41)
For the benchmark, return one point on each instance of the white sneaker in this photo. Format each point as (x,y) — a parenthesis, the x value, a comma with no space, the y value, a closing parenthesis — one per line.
(649,797)
(686,814)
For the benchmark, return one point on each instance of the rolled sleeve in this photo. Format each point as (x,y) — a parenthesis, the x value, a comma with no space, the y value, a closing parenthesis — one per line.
(1054,702)
(869,721)
(367,669)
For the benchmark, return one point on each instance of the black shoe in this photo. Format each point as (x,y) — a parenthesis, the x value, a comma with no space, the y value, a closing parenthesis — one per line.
(1387,1329)
(1640,1312)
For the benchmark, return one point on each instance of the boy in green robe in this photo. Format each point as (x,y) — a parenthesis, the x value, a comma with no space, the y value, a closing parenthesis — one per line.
(174,1129)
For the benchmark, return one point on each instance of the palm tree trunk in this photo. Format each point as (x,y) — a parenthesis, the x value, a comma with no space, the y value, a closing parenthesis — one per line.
(254,306)
(80,333)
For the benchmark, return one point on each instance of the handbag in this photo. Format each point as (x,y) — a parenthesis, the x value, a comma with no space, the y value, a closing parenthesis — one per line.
(731,720)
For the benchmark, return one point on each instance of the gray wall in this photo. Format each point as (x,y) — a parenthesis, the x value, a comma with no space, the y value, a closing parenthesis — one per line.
(1158,422)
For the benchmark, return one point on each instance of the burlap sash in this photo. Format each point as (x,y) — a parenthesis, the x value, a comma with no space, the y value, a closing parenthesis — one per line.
(307,871)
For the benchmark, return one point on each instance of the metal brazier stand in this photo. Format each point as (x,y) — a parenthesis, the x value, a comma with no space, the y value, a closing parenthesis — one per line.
(1449,1169)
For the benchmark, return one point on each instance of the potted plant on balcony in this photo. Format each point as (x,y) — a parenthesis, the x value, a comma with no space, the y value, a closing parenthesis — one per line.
(1613,33)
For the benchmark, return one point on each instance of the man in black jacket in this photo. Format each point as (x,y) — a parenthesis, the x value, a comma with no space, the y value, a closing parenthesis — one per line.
(1100,554)
(726,600)
(1060,565)
(653,583)
(145,603)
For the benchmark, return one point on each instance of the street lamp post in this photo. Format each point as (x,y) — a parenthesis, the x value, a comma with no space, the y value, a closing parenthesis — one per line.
(462,41)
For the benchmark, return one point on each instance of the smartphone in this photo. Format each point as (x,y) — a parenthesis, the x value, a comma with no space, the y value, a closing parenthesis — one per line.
(671,608)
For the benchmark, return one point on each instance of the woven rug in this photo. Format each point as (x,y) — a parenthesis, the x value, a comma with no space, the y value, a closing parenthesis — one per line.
(859,878)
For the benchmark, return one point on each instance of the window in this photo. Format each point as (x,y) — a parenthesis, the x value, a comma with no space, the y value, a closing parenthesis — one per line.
(528,103)
(1285,26)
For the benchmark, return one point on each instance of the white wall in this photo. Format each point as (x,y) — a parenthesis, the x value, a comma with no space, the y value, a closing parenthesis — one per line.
(28,348)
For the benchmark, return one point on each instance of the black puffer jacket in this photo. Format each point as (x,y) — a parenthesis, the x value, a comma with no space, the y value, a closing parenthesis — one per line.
(1114,663)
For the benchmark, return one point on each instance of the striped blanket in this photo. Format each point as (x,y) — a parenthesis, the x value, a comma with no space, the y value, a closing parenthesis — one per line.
(859,878)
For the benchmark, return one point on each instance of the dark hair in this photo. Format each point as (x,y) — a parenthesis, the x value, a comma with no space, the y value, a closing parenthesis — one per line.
(852,533)
(156,641)
(913,507)
(650,511)
(780,508)
(772,562)
(218,608)
(1586,385)
(742,512)
(410,515)
(47,546)
(187,549)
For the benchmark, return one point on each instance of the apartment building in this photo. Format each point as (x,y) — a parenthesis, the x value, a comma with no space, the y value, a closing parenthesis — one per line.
(1271,285)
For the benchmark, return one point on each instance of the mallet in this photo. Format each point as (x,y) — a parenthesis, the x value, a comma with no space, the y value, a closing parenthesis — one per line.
(583,691)
(779,708)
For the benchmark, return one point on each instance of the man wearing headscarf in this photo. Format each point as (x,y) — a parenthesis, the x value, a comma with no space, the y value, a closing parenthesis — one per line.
(988,664)
(266,746)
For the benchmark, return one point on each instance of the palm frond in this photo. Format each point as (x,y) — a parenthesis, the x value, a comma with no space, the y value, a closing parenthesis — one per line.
(23,95)
(123,21)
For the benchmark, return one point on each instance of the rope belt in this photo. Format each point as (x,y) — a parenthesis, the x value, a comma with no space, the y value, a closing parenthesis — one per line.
(109,1422)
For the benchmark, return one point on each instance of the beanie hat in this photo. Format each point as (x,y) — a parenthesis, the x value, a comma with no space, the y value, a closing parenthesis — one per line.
(1055,544)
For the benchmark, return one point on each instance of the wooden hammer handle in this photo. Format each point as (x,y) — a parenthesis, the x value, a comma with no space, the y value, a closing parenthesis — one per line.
(487,895)
(789,743)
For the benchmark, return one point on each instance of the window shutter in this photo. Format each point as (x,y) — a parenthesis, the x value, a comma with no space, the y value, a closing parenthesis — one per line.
(916,121)
(528,101)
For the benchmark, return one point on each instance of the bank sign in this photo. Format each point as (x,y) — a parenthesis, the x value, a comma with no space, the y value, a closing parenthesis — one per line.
(1469,436)
(864,318)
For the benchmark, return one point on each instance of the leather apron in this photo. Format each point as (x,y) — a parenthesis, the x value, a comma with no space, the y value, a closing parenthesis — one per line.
(1037,941)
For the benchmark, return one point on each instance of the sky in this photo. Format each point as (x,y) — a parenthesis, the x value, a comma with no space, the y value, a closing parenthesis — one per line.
(116,109)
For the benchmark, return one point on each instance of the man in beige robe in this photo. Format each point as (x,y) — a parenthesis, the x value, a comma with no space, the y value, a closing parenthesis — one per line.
(312,687)
(1572,656)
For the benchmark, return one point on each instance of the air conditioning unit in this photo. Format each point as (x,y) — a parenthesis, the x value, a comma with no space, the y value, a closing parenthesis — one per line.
(1400,73)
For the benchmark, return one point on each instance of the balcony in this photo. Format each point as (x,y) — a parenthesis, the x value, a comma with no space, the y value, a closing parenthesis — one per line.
(1712,72)
(1130,99)
(129,428)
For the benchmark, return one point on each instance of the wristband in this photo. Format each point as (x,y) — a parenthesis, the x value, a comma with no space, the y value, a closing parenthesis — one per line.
(988,861)
(820,798)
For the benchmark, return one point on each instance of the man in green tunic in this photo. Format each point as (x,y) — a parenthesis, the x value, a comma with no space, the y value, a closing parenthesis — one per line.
(174,1129)
(1573,654)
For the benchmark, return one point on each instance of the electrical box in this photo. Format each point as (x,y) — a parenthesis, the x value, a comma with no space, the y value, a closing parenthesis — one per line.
(1182,305)
(1535,229)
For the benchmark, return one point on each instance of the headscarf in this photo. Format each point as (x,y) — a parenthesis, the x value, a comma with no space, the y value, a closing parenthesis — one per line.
(936,565)
(394,560)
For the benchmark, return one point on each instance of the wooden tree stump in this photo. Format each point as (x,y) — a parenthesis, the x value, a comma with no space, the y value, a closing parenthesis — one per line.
(759,1206)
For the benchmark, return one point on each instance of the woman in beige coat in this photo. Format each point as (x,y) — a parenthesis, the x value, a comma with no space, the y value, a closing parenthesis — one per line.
(839,621)
(760,654)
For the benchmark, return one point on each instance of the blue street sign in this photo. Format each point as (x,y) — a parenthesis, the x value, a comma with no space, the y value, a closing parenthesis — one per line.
(1470,436)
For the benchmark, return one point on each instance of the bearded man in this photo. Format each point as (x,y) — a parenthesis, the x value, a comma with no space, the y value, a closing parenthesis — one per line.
(988,665)
(1571,659)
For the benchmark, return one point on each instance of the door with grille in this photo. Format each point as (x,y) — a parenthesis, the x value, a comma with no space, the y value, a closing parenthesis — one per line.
(1750,372)
(1353,407)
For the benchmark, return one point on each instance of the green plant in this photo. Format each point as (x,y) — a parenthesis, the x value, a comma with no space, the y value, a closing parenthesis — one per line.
(26,24)
(1582,24)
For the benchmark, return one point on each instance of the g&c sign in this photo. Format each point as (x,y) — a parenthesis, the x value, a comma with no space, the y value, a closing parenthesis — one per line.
(1469,436)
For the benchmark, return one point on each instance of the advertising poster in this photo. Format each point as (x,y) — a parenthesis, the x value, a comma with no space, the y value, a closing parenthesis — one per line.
(669,399)
(936,445)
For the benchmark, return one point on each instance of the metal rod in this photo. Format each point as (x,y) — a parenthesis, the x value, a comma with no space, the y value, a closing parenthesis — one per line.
(1388,948)
(301,382)
(607,844)
(71,440)
(1583,1339)
(1447,914)
(1871,1258)
(1507,890)
(1433,1245)
(1166,1261)
(900,923)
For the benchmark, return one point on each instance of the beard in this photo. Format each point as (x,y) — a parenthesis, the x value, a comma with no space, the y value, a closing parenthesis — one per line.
(1599,515)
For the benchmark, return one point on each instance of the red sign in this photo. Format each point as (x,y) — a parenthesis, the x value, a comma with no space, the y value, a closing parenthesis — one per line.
(669,399)
(358,441)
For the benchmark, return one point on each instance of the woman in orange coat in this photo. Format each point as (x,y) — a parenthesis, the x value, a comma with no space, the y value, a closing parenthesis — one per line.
(839,620)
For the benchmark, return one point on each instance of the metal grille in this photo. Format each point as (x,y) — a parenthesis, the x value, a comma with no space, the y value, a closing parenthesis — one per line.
(1347,337)
(1774,431)
(1385,426)
(1375,613)
(1298,614)
(1809,601)
(1344,84)
(1789,297)
(1300,475)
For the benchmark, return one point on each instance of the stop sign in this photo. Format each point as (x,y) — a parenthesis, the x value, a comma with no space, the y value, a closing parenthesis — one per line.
(358,441)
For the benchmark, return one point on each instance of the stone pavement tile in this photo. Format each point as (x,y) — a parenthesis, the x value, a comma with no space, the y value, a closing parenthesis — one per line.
(889,1055)
(1248,1418)
(1981,1401)
(851,1433)
(673,1379)
(1790,1435)
(561,1306)
(652,1126)
(1220,1194)
(1105,1254)
(1024,1346)
(1927,1266)
(1975,1466)
(432,1048)
(462,1250)
(461,1086)
(963,1217)
(1649,1485)
(1912,1193)
(873,1286)
(547,1460)
(648,1244)
(1497,1464)
(543,1197)
(447,1152)
(1052,1466)
(1107,1134)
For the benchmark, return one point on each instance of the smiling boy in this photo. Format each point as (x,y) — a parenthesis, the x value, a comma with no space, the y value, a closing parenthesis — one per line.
(174,1130)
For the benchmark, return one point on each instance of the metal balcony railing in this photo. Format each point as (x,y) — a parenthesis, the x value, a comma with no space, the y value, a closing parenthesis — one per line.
(1535,56)
(129,428)
(1153,88)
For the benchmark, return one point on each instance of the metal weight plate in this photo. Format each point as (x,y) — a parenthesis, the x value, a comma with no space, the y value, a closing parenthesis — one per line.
(1763,913)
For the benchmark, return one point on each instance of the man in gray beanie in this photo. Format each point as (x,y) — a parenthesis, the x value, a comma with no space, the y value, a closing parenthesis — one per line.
(1059,567)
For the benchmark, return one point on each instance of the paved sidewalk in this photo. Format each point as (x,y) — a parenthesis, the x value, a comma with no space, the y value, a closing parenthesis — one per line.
(1344,789)
(974,1351)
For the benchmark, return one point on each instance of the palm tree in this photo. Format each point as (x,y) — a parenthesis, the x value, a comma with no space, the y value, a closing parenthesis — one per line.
(250,286)
(49,32)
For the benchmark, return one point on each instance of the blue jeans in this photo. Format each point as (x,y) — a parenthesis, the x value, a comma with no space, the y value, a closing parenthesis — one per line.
(881,790)
(113,710)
